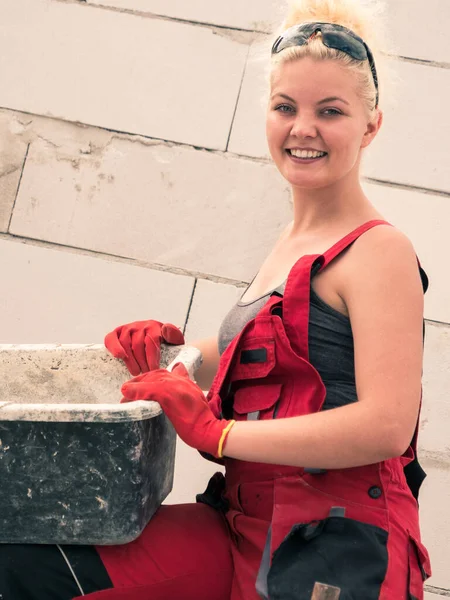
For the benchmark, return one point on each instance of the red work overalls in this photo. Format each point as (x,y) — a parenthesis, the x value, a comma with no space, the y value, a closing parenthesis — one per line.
(354,528)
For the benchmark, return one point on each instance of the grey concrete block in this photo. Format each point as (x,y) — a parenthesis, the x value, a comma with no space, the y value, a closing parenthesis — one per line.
(211,303)
(12,155)
(173,206)
(254,15)
(73,138)
(9,182)
(153,77)
(435,453)
(174,213)
(248,135)
(50,296)
(406,20)
(435,520)
(423,218)
(434,434)
(406,149)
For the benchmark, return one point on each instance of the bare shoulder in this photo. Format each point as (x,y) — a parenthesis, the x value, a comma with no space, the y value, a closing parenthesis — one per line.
(382,279)
(381,275)
(382,241)
(384,252)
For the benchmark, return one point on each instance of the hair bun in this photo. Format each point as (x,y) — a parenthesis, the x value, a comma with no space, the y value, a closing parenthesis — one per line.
(360,16)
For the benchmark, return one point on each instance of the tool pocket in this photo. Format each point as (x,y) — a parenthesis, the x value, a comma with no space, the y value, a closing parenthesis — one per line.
(338,551)
(257,402)
(419,568)
(214,495)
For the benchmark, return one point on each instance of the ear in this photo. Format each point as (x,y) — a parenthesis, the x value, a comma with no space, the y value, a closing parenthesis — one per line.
(373,127)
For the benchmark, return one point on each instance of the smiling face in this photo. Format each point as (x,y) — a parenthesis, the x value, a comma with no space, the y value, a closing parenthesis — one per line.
(317,123)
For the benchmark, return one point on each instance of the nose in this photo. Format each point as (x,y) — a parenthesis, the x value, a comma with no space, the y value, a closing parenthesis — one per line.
(304,126)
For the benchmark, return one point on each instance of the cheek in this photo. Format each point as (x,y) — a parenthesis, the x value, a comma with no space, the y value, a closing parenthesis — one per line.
(275,129)
(270,130)
(347,141)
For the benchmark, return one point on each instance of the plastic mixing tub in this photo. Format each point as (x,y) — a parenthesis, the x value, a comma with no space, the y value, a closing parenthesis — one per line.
(76,466)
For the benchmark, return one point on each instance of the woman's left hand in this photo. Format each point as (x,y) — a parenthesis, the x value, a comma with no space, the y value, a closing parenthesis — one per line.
(185,405)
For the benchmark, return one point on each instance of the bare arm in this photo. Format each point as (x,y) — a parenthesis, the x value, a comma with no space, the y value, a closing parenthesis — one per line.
(210,352)
(382,290)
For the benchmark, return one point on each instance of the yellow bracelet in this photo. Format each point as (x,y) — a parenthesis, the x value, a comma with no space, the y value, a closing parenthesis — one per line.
(223,437)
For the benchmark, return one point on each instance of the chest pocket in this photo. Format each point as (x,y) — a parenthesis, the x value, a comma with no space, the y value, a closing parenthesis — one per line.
(256,360)
(257,402)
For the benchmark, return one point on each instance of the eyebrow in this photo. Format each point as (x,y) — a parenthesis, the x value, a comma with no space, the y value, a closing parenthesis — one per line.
(324,101)
(332,99)
(285,97)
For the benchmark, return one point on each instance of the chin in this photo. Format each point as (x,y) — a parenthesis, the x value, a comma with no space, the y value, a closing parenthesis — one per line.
(309,183)
(314,181)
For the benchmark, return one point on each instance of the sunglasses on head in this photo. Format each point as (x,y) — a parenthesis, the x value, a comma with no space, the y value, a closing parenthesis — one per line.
(333,36)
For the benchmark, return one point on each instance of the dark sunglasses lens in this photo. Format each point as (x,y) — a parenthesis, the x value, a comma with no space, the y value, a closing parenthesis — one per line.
(286,42)
(345,43)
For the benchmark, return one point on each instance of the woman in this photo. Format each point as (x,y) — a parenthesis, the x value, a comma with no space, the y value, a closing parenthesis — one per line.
(315,394)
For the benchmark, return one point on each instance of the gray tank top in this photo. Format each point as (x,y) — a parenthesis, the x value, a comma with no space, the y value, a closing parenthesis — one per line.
(330,344)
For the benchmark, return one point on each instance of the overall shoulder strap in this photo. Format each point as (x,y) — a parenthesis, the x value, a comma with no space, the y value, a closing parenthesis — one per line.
(297,292)
(343,244)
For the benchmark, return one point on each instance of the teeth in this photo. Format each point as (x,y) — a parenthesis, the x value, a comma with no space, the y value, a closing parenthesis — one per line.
(307,153)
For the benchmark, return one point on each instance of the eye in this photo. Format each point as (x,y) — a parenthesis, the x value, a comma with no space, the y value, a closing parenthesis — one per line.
(331,112)
(284,108)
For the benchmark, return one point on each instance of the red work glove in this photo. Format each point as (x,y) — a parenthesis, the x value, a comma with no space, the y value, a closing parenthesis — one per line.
(138,344)
(185,405)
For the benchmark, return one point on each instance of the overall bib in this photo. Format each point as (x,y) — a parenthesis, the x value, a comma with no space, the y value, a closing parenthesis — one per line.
(289,527)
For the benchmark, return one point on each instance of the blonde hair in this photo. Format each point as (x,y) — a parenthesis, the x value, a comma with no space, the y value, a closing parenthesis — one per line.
(363,17)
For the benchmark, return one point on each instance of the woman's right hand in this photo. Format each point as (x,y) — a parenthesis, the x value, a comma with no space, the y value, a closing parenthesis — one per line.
(138,344)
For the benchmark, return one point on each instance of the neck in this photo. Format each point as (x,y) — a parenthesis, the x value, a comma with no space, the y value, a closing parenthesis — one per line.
(339,205)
